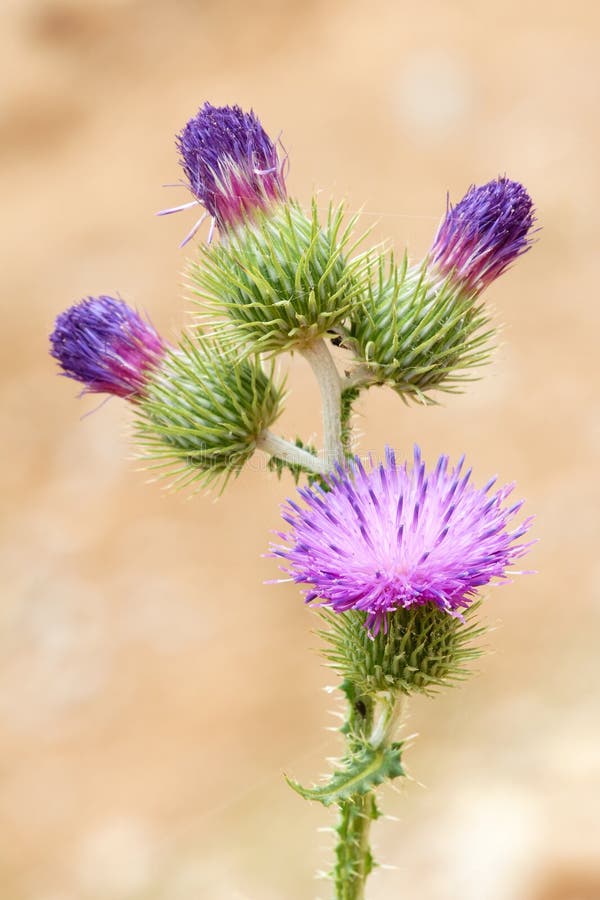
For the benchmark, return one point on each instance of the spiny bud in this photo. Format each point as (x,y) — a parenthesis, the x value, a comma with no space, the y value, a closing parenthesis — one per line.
(280,281)
(424,327)
(416,333)
(205,410)
(484,233)
(107,346)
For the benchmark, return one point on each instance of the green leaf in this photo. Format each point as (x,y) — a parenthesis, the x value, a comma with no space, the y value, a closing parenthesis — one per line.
(357,776)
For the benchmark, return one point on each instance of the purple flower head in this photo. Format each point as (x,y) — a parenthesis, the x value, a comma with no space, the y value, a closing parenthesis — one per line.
(231,164)
(484,233)
(105,344)
(392,538)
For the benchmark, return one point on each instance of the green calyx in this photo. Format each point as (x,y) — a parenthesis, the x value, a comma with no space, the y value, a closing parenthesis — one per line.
(423,649)
(416,332)
(204,410)
(281,280)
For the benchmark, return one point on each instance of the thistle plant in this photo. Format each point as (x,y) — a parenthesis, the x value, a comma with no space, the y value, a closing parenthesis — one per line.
(392,554)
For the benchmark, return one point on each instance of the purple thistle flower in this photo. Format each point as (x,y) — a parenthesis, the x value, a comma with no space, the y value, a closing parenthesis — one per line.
(105,344)
(231,165)
(392,538)
(484,233)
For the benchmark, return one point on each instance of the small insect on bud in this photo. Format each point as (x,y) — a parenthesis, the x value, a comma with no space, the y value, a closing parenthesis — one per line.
(484,233)
(107,346)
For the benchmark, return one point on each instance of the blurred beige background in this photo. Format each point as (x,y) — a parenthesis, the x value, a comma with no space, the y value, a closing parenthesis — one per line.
(152,689)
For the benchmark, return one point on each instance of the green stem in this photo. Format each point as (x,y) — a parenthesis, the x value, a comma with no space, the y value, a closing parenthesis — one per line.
(318,356)
(349,395)
(354,859)
(296,456)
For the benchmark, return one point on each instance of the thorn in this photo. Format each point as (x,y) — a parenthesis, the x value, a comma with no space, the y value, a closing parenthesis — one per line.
(321,876)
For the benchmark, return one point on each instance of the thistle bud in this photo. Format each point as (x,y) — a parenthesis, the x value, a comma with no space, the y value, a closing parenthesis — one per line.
(416,333)
(205,410)
(107,346)
(280,281)
(484,233)
(424,327)
(231,164)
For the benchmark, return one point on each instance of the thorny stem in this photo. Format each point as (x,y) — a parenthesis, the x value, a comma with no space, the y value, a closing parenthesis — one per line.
(354,860)
(290,453)
(318,356)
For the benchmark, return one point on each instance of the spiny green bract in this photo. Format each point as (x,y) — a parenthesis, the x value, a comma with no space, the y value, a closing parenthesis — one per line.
(204,410)
(423,649)
(418,333)
(282,280)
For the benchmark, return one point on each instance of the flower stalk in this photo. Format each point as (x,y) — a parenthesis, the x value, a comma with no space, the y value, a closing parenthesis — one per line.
(290,453)
(354,858)
(321,361)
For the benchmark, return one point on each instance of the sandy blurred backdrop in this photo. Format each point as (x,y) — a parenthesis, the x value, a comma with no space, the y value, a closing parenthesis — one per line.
(152,690)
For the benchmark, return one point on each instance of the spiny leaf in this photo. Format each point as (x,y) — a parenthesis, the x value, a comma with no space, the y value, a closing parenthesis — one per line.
(357,776)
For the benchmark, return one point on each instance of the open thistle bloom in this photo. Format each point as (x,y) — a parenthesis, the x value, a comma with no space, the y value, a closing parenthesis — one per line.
(393,538)
(231,165)
(107,346)
(484,233)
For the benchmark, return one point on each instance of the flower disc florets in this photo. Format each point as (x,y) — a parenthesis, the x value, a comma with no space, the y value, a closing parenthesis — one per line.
(393,538)
(231,164)
(484,233)
(107,346)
